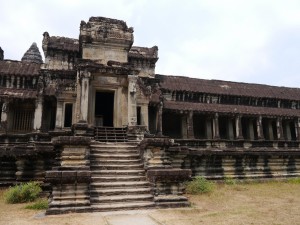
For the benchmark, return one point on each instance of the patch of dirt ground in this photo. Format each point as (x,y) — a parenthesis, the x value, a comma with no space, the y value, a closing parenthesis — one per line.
(256,203)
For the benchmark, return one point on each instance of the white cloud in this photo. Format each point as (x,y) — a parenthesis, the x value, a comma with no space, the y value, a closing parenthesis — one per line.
(228,39)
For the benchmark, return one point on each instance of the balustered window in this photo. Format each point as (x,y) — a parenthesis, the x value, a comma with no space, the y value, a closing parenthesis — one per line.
(22,117)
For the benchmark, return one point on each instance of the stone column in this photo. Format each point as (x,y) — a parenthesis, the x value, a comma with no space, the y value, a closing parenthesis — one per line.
(4,115)
(37,123)
(208,128)
(260,133)
(297,127)
(216,126)
(238,127)
(184,126)
(59,115)
(84,95)
(250,130)
(270,130)
(144,116)
(230,129)
(159,119)
(288,131)
(4,111)
(190,126)
(279,128)
(132,117)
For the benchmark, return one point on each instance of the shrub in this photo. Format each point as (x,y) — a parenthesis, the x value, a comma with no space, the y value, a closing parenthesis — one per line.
(230,181)
(199,186)
(40,204)
(26,192)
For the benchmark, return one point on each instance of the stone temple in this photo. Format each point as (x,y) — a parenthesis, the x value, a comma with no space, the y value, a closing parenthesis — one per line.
(102,131)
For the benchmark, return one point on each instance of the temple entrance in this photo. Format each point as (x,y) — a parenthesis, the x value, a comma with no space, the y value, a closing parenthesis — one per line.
(104,109)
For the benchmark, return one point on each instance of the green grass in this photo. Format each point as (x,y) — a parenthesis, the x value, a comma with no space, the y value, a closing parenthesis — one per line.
(40,204)
(199,186)
(21,193)
(230,181)
(295,180)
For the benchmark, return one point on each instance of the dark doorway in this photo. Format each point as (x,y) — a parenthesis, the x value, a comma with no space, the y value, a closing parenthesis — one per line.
(171,125)
(152,119)
(104,109)
(68,115)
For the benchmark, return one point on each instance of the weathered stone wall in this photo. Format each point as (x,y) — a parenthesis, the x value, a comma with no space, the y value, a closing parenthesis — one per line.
(218,165)
(70,179)
(163,162)
(25,158)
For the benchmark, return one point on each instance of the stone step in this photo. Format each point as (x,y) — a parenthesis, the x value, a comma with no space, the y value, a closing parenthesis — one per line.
(116,167)
(115,156)
(70,197)
(113,151)
(115,161)
(117,178)
(60,209)
(118,172)
(114,145)
(122,198)
(123,206)
(66,203)
(112,140)
(118,184)
(119,191)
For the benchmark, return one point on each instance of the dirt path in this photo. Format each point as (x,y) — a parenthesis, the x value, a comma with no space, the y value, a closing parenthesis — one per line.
(267,203)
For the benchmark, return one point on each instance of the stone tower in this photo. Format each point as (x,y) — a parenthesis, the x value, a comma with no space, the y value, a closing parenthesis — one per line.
(1,54)
(103,39)
(32,54)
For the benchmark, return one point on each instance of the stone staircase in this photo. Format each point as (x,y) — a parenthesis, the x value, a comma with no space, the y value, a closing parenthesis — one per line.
(110,134)
(118,178)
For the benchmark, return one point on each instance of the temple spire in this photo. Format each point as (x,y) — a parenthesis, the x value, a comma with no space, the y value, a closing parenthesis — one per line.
(32,54)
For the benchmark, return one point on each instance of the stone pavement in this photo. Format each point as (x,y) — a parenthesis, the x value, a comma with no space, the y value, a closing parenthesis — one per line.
(136,219)
(130,217)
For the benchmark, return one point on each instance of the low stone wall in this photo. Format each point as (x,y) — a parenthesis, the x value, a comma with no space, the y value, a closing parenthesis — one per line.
(250,163)
(163,162)
(25,157)
(70,179)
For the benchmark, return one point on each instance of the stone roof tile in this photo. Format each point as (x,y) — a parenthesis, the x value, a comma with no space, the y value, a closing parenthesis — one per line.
(230,109)
(179,83)
(10,67)
(18,93)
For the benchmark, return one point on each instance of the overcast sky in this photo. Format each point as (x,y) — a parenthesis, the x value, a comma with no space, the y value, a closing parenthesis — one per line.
(255,41)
